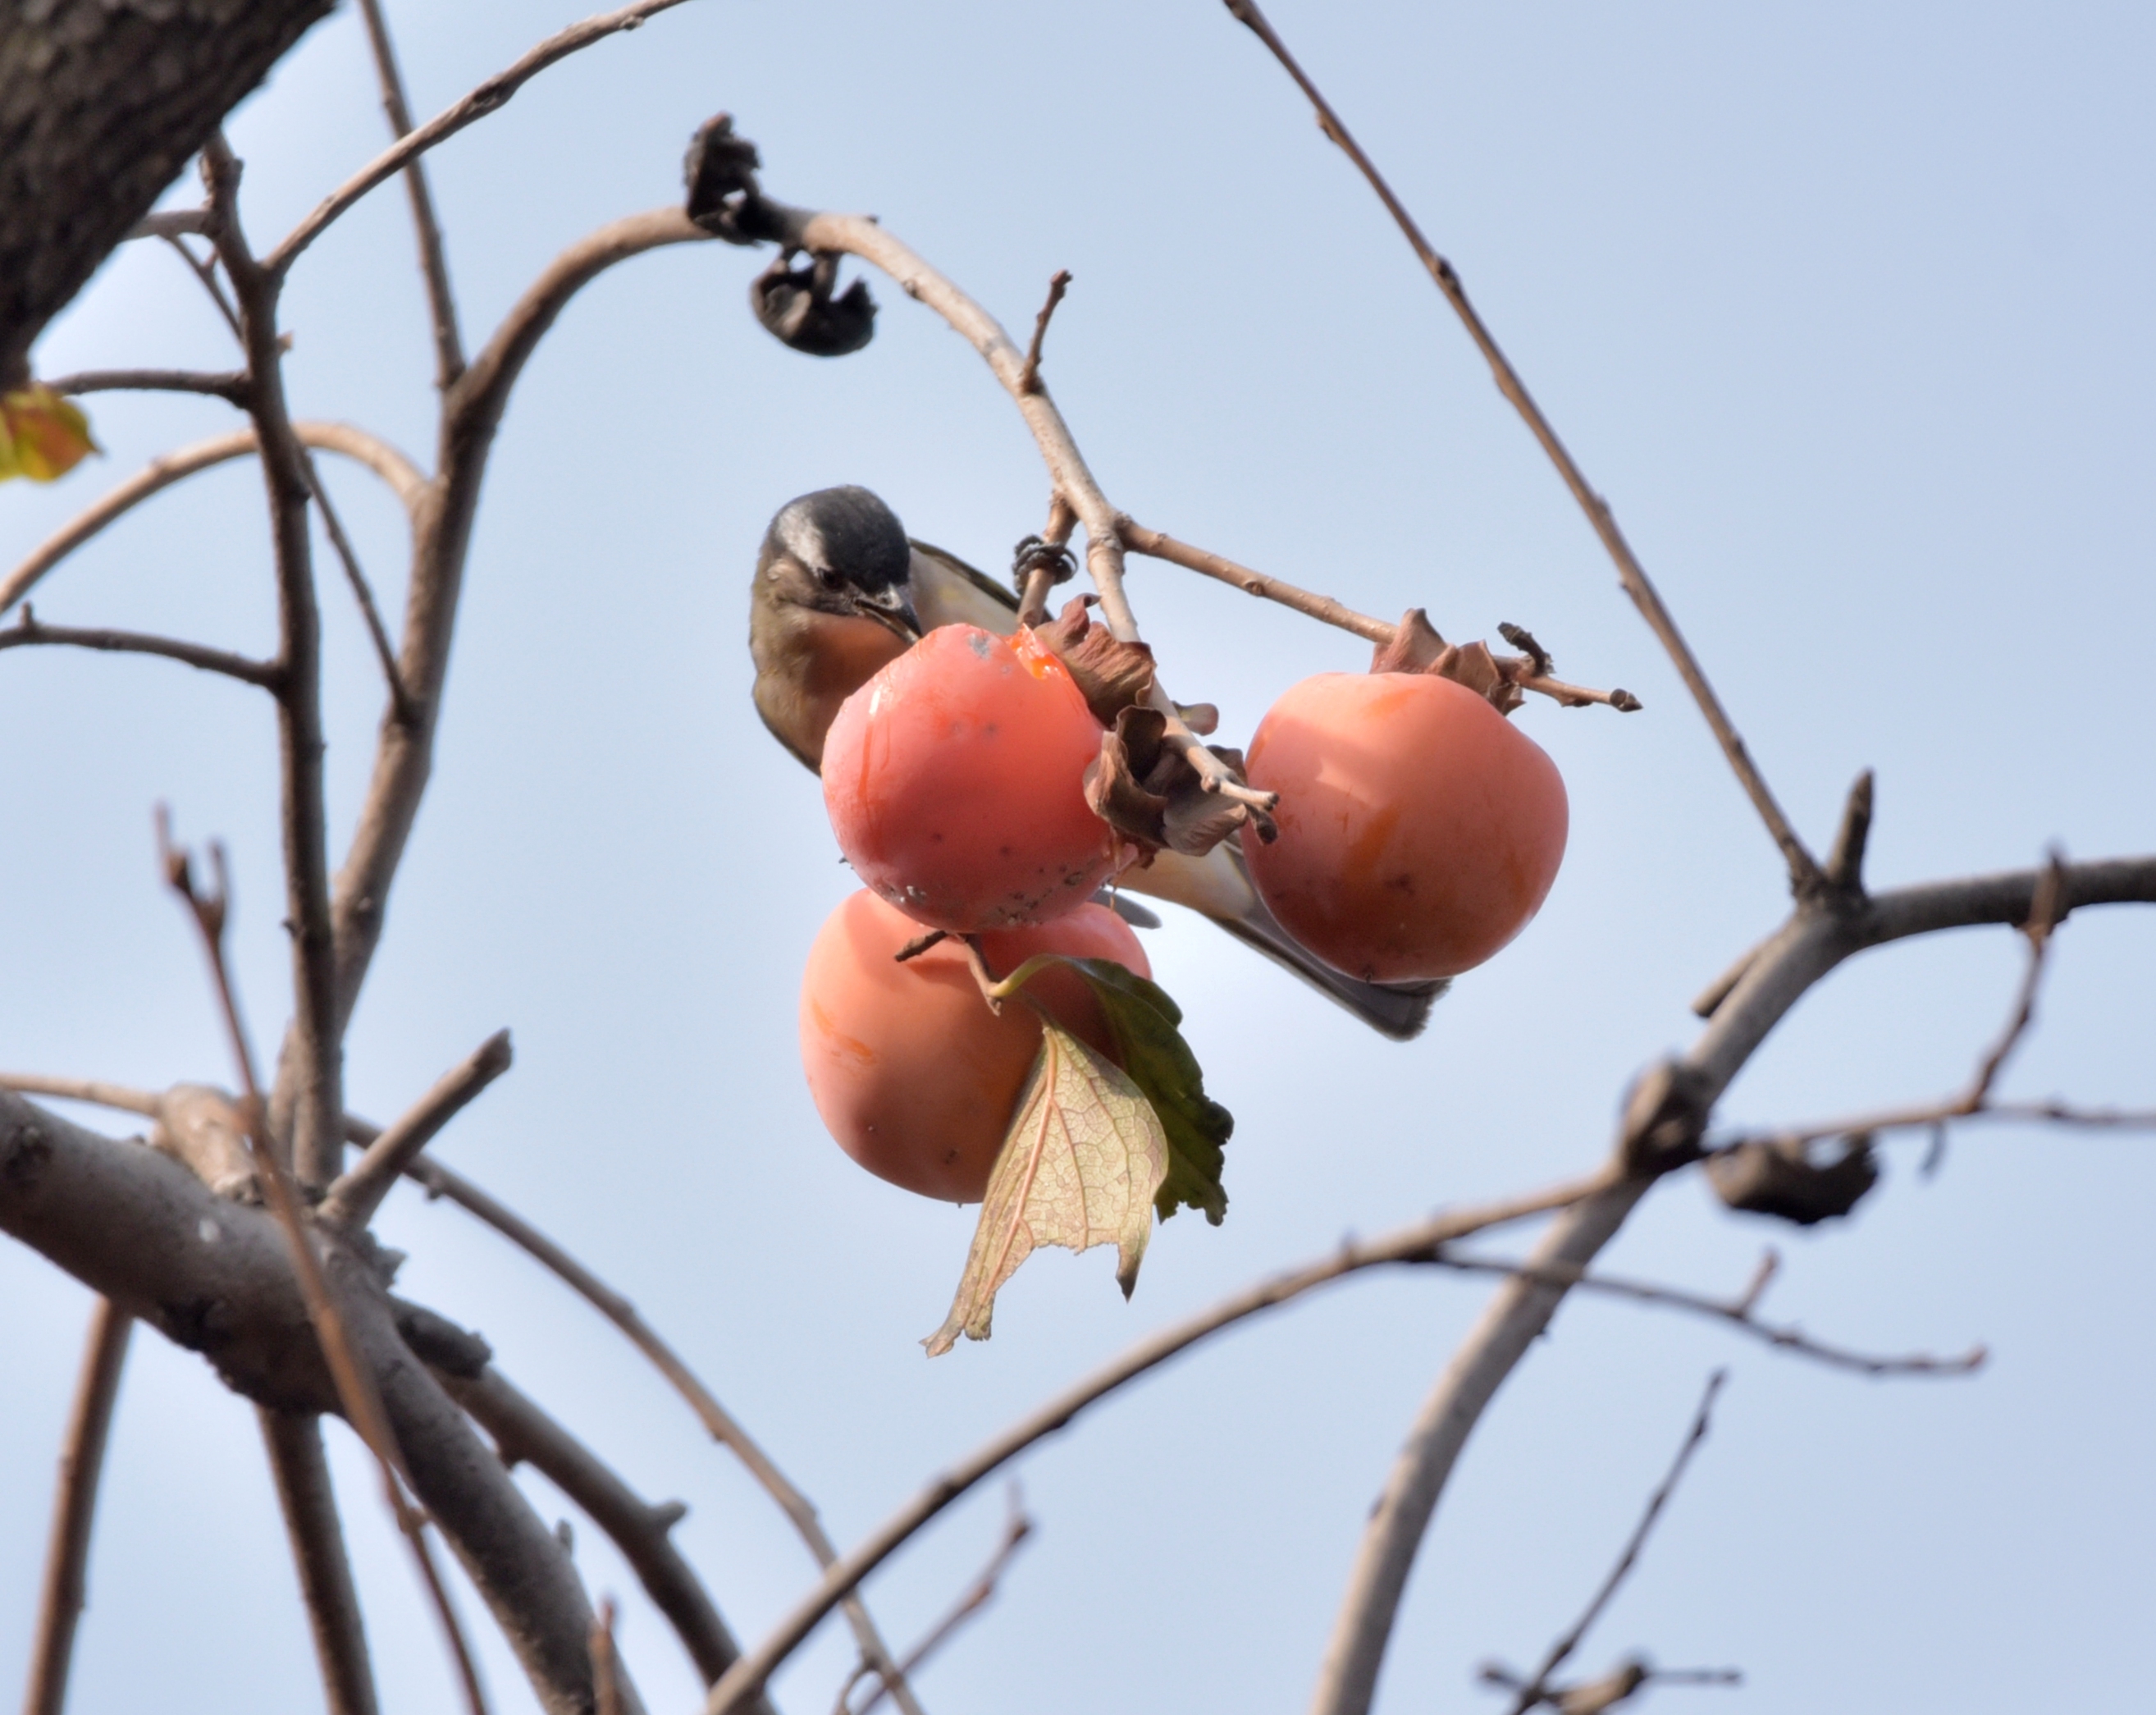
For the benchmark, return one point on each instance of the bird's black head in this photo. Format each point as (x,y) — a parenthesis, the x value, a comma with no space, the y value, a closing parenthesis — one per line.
(848,542)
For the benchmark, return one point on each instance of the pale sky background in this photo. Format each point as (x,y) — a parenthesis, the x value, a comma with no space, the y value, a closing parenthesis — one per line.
(1846,308)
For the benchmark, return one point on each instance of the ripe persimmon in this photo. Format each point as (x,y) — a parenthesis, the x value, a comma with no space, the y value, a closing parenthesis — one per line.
(955,780)
(1419,830)
(912,1074)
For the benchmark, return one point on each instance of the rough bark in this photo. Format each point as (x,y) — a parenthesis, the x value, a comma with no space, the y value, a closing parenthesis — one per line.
(101,103)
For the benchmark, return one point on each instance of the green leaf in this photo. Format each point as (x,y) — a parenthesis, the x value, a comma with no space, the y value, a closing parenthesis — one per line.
(1160,1063)
(1079,1167)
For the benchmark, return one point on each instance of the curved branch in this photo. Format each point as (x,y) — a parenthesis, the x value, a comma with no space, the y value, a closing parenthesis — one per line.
(1411,1245)
(74,1508)
(440,1181)
(526,1434)
(443,514)
(29,630)
(231,386)
(161,473)
(1672,1115)
(1071,477)
(138,1227)
(492,94)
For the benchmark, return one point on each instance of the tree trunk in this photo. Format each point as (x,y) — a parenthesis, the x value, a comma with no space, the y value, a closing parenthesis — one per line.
(101,103)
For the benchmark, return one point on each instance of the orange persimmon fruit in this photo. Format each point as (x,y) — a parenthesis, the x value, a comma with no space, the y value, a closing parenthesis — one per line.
(911,1073)
(1419,830)
(955,781)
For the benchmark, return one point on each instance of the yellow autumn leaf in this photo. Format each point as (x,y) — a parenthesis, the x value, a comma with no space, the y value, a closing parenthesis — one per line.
(1084,1156)
(43,436)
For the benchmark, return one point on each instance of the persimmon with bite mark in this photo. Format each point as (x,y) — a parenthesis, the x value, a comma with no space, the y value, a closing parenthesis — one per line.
(1419,830)
(955,781)
(912,1074)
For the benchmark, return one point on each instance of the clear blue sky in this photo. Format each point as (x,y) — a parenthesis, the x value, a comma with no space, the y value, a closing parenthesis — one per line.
(1846,308)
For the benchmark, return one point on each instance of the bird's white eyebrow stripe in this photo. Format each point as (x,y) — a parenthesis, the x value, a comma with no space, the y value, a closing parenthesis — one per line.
(798,534)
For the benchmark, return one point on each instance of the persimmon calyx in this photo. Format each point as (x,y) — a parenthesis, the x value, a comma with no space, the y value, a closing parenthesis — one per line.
(1502,681)
(1148,792)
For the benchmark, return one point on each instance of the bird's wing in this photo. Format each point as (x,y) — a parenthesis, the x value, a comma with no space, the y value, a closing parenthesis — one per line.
(947,591)
(1218,887)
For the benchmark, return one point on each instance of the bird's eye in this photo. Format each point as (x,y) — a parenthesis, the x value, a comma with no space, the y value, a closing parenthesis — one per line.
(827,577)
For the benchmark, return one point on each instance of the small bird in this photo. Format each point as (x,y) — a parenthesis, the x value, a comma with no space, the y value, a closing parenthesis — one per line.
(840,589)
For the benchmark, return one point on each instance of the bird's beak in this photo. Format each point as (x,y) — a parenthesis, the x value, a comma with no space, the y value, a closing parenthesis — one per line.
(889,608)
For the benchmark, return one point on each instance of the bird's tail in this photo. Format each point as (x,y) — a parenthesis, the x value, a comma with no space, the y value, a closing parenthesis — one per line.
(1218,887)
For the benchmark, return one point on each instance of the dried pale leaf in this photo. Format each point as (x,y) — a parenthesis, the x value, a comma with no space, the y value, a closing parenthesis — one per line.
(1113,674)
(1081,1163)
(43,436)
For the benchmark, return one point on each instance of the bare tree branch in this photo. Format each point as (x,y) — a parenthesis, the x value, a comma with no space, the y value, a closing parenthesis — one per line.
(93,1090)
(492,94)
(1737,1312)
(1667,1117)
(162,472)
(29,631)
(357,1387)
(443,514)
(1805,877)
(1017,1528)
(355,1193)
(1156,545)
(205,274)
(74,1508)
(440,1181)
(1532,1692)
(434,264)
(526,1434)
(1073,481)
(1410,1245)
(294,1445)
(315,1138)
(230,385)
(217,1277)
(385,652)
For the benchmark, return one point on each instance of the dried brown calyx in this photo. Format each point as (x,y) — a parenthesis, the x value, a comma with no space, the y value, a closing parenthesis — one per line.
(1144,784)
(1416,647)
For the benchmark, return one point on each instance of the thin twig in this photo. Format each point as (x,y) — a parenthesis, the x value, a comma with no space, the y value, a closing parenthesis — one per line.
(355,1193)
(74,1508)
(207,275)
(440,1181)
(1531,1693)
(1410,1245)
(524,1434)
(165,223)
(118,1096)
(2047,905)
(357,1392)
(161,473)
(492,94)
(230,385)
(1157,545)
(315,1041)
(606,1678)
(1016,1528)
(385,652)
(1029,378)
(299,1468)
(1804,873)
(1737,1312)
(442,305)
(29,630)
